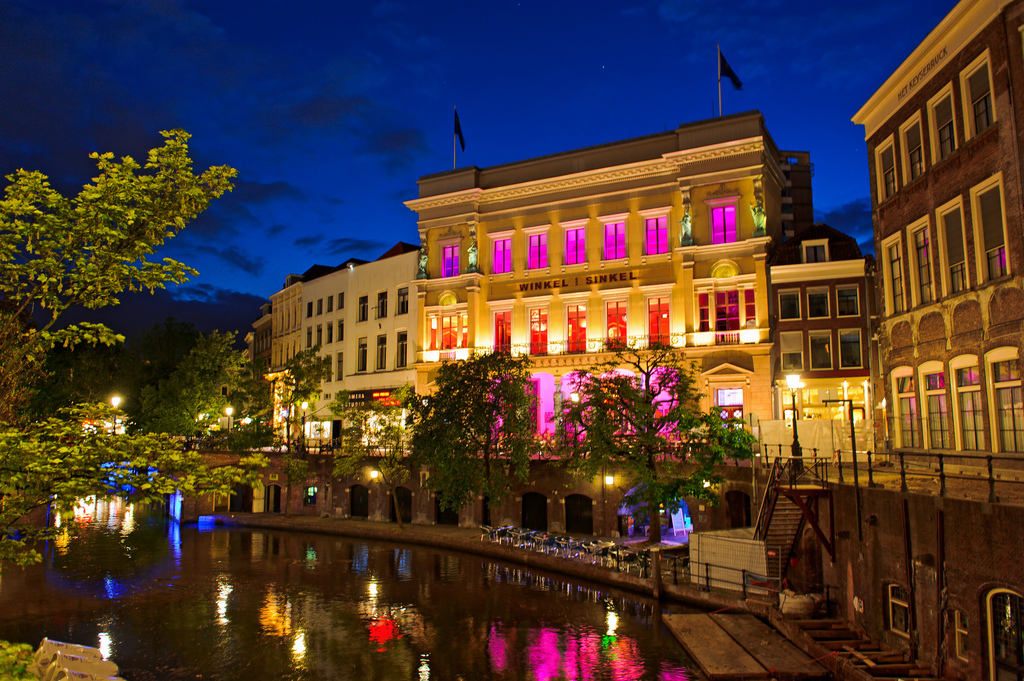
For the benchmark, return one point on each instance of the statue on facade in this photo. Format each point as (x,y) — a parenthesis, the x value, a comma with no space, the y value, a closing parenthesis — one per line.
(757,212)
(421,273)
(685,236)
(472,254)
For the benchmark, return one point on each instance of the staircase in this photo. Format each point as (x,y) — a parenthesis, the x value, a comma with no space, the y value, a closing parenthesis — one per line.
(782,529)
(861,657)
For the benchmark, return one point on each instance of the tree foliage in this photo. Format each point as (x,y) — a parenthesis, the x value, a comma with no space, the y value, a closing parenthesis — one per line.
(72,456)
(640,415)
(300,381)
(374,431)
(477,431)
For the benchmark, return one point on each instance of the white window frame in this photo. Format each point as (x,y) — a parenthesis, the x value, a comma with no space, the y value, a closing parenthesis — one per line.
(825,333)
(610,220)
(856,291)
(956,205)
(933,131)
(980,251)
(960,362)
(924,224)
(799,304)
(815,290)
(782,352)
(1003,354)
(539,230)
(897,416)
(569,226)
(961,629)
(650,214)
(860,347)
(494,238)
(967,97)
(888,143)
(897,241)
(908,176)
(890,601)
(927,369)
(813,243)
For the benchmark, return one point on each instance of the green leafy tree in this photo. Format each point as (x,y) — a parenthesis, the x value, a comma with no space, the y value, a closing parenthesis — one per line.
(477,431)
(253,403)
(72,456)
(193,396)
(57,252)
(301,381)
(375,431)
(640,414)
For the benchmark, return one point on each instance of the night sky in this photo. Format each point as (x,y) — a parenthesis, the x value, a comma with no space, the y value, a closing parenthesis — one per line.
(331,111)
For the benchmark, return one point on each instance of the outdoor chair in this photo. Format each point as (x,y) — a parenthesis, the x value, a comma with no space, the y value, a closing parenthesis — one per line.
(486,532)
(64,663)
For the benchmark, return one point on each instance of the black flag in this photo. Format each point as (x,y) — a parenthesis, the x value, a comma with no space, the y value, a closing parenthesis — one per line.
(458,130)
(723,70)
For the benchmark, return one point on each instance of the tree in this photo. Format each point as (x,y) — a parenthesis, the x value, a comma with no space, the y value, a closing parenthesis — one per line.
(640,413)
(477,431)
(71,456)
(194,394)
(56,252)
(375,430)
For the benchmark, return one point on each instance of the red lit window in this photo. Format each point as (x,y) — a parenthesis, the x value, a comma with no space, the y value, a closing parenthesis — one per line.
(751,307)
(727,311)
(503,331)
(657,321)
(577,326)
(617,323)
(705,312)
(657,235)
(449,332)
(615,240)
(538,331)
(723,224)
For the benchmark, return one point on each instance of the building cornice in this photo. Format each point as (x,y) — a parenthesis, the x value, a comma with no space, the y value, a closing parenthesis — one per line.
(957,29)
(817,271)
(668,164)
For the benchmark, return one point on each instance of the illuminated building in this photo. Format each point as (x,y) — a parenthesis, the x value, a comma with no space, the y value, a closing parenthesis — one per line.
(657,239)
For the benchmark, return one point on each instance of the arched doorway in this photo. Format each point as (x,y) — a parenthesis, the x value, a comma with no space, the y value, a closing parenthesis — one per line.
(241,499)
(579,514)
(402,497)
(535,511)
(444,516)
(359,501)
(1005,635)
(737,504)
(272,499)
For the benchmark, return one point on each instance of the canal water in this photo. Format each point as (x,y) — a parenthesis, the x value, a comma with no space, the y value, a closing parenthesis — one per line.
(201,602)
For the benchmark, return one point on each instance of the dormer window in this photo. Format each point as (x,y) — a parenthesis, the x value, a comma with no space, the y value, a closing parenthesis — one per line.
(816,250)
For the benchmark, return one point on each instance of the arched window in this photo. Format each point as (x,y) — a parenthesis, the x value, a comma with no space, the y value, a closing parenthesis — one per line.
(1005,635)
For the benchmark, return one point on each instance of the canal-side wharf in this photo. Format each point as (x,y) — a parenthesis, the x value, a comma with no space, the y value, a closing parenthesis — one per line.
(740,638)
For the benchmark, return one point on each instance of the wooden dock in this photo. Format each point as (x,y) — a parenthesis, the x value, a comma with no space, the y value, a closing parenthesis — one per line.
(736,647)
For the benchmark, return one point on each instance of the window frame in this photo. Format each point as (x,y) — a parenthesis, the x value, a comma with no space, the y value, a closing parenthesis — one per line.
(930,427)
(578,227)
(981,256)
(401,349)
(504,238)
(814,243)
(616,222)
(659,334)
(819,334)
(894,241)
(402,301)
(903,603)
(362,348)
(657,215)
(883,194)
(722,204)
(382,305)
(450,259)
(856,300)
(381,362)
(992,359)
(933,129)
(860,349)
(905,151)
(363,309)
(817,291)
(576,337)
(917,289)
(955,365)
(954,206)
(961,634)
(538,241)
(538,336)
(621,322)
(968,100)
(898,399)
(795,294)
(783,335)
(497,344)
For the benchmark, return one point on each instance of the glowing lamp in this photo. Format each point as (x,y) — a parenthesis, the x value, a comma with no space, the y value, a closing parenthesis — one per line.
(374,474)
(115,400)
(229,410)
(609,480)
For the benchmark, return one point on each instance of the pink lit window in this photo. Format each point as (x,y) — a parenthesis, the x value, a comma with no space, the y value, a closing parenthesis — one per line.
(537,256)
(617,323)
(657,321)
(723,225)
(538,331)
(503,331)
(450,261)
(502,256)
(615,240)
(727,311)
(575,246)
(577,336)
(657,235)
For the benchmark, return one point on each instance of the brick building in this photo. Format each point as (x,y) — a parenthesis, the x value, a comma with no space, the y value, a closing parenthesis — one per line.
(944,153)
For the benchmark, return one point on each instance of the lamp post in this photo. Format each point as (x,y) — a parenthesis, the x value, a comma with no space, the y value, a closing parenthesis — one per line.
(796,465)
(229,411)
(302,435)
(115,400)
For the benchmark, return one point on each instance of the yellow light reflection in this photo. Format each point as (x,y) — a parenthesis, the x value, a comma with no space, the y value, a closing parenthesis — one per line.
(105,645)
(299,647)
(275,615)
(223,591)
(613,622)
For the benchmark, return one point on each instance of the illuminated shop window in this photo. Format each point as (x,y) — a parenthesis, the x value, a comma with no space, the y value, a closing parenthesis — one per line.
(658,321)
(502,263)
(576,325)
(503,331)
(538,331)
(616,324)
(614,240)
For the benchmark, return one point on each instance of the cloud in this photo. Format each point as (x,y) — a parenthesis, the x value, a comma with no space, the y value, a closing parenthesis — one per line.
(234,256)
(258,192)
(398,148)
(309,241)
(353,247)
(275,229)
(854,219)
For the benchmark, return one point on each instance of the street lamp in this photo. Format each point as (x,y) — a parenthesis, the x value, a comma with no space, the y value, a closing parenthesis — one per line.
(115,400)
(229,411)
(796,466)
(302,434)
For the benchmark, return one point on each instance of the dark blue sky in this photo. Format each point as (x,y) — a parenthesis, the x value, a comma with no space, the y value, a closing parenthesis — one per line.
(330,111)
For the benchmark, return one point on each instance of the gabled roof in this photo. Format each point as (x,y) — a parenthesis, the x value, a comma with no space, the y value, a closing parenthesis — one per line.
(840,246)
(401,248)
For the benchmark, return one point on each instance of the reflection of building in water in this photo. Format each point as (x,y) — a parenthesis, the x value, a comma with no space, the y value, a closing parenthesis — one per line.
(652,240)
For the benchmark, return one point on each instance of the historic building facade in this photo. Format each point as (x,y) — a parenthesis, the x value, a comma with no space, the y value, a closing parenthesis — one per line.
(944,154)
(657,239)
(823,298)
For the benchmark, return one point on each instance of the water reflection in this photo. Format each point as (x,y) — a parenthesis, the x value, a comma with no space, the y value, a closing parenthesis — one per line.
(173,602)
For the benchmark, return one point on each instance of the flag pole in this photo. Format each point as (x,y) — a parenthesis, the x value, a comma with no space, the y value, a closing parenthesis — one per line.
(719,80)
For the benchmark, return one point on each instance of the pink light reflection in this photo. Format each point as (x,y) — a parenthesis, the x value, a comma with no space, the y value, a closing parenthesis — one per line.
(497,649)
(543,656)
